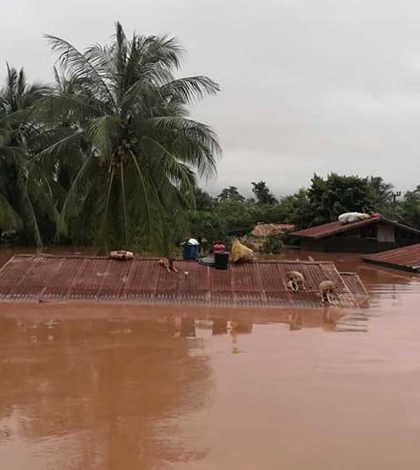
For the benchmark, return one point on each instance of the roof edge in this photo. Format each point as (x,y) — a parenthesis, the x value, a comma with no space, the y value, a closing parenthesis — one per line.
(347,227)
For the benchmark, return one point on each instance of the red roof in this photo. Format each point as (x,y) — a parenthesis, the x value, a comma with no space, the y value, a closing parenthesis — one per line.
(406,258)
(262,283)
(333,228)
(263,230)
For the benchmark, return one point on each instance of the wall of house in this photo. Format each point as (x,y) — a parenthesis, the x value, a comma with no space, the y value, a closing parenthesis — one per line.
(386,233)
(342,245)
(405,237)
(346,245)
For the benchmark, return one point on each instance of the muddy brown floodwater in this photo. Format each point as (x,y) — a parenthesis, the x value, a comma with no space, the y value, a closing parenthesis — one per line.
(86,386)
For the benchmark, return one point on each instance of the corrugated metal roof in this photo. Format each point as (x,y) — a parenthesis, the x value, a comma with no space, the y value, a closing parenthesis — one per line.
(333,228)
(263,230)
(262,283)
(357,288)
(406,258)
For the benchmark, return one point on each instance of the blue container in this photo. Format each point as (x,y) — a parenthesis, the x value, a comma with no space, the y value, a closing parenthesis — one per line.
(189,251)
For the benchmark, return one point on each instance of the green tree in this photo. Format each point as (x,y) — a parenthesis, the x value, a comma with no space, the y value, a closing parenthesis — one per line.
(274,243)
(295,209)
(381,195)
(262,193)
(409,208)
(124,112)
(231,193)
(335,195)
(26,202)
(238,216)
(208,225)
(203,200)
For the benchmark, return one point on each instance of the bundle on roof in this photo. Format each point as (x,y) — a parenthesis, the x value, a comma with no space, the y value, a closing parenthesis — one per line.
(350,217)
(240,252)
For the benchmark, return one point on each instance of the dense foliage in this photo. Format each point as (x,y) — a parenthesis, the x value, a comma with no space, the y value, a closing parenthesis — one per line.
(321,202)
(108,155)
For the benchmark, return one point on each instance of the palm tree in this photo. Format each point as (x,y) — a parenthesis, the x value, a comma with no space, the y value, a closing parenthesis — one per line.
(26,203)
(121,109)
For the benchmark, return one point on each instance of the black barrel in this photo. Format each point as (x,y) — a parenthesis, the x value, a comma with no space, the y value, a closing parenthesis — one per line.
(221,260)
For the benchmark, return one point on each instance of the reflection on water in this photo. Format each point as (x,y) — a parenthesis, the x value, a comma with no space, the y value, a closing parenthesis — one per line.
(104,393)
(124,387)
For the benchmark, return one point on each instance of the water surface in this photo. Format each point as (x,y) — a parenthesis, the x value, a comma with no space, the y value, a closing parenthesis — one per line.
(87,386)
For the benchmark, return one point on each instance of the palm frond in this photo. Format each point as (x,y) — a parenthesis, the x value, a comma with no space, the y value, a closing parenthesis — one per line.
(12,156)
(78,65)
(55,151)
(64,107)
(124,206)
(164,50)
(9,218)
(174,179)
(101,59)
(189,89)
(194,142)
(14,118)
(104,133)
(73,203)
(34,223)
(148,193)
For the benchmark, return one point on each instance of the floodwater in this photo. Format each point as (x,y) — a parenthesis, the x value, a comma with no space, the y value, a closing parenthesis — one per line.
(127,387)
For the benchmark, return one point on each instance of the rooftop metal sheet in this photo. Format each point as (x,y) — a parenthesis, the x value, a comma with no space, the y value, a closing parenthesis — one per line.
(141,280)
(332,228)
(356,286)
(406,258)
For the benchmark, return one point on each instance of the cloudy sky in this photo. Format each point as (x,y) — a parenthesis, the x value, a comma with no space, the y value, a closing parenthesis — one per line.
(307,85)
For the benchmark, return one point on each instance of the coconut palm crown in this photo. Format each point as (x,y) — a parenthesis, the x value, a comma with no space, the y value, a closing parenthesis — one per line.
(121,114)
(26,203)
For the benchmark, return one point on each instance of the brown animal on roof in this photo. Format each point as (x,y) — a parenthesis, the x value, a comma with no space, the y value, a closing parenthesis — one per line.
(327,291)
(296,281)
(168,264)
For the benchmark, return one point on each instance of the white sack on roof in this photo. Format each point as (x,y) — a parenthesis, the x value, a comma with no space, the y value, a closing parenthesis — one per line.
(350,217)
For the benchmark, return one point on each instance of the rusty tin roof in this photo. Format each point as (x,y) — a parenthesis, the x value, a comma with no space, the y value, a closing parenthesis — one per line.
(406,258)
(333,228)
(357,288)
(262,283)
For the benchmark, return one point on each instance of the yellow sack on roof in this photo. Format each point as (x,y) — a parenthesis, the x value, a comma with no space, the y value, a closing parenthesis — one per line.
(240,252)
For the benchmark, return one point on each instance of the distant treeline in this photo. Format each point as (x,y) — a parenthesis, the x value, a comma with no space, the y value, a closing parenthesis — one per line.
(230,213)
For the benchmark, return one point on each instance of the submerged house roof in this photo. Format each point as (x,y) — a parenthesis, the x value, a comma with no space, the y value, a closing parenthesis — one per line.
(406,258)
(262,283)
(263,230)
(334,228)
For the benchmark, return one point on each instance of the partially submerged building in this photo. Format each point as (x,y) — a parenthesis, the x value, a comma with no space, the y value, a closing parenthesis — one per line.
(365,236)
(261,231)
(406,258)
(264,230)
(260,283)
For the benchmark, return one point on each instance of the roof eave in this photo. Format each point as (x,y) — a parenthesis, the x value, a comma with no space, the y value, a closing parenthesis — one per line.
(400,225)
(342,229)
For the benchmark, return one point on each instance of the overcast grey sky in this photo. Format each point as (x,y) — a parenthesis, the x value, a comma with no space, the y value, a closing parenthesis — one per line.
(307,85)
